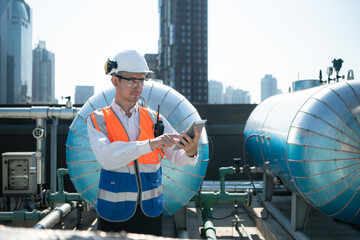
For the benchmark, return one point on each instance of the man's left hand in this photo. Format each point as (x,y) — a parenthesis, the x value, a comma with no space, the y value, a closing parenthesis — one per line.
(190,145)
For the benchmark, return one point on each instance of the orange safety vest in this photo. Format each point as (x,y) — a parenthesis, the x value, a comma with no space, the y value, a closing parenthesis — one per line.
(116,132)
(120,190)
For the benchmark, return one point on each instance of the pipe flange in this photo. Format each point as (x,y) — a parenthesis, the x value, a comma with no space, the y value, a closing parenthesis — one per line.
(44,196)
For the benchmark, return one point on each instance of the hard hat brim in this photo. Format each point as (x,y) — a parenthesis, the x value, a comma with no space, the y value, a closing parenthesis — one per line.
(121,73)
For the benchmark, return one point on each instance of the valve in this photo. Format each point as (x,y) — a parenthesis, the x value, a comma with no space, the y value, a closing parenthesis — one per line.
(68,103)
(237,164)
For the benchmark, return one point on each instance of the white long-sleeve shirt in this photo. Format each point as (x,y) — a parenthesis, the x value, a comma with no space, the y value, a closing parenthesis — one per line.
(118,154)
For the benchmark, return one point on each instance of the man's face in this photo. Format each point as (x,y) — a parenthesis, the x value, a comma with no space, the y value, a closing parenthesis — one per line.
(126,90)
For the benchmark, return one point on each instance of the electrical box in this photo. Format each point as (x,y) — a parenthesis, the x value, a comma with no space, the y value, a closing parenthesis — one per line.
(19,174)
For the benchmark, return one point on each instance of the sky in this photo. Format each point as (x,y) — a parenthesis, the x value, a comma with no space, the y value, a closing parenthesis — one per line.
(290,39)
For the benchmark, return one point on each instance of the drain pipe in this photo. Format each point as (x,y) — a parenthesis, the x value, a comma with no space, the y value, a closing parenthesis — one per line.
(55,216)
(209,229)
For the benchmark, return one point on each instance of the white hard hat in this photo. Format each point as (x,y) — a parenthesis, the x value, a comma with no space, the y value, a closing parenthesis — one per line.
(128,61)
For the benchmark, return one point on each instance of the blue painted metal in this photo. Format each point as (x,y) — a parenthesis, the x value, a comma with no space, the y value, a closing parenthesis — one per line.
(311,140)
(180,184)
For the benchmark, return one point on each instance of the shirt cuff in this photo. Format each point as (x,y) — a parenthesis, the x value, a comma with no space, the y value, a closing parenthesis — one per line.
(143,147)
(192,160)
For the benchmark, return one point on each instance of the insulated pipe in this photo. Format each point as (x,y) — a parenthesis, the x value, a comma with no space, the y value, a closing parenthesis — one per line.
(39,112)
(179,184)
(55,216)
(310,140)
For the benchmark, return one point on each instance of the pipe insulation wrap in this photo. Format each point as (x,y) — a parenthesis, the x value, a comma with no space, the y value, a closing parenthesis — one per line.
(310,139)
(179,184)
(39,113)
(55,216)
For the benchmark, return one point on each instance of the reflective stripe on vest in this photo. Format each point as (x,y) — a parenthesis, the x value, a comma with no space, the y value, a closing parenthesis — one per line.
(118,188)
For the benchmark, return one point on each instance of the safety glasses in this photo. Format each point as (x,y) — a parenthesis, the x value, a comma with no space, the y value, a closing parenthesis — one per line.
(133,82)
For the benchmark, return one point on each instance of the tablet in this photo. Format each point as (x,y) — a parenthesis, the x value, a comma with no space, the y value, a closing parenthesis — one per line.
(199,124)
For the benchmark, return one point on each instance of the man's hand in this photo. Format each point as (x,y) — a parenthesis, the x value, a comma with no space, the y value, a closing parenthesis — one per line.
(190,144)
(164,141)
(168,140)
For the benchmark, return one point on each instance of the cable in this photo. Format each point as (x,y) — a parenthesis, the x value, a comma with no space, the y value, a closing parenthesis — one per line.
(212,147)
(199,192)
(250,178)
(252,184)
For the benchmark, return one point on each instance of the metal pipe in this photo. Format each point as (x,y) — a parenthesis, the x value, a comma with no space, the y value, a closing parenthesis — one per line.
(23,214)
(53,154)
(40,152)
(61,172)
(238,221)
(284,221)
(39,112)
(222,172)
(55,216)
(61,196)
(208,198)
(209,229)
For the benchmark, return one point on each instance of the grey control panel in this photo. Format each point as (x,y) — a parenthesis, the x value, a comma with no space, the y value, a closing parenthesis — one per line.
(18,171)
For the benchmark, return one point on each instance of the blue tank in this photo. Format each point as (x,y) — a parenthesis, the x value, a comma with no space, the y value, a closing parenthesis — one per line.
(310,139)
(179,184)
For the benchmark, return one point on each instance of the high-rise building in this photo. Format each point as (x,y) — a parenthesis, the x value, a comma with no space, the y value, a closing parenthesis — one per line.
(15,52)
(268,87)
(43,85)
(183,47)
(153,63)
(216,92)
(83,93)
(233,96)
(229,91)
(241,96)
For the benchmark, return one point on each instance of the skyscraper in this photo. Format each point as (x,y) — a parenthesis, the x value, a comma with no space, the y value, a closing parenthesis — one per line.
(43,86)
(268,87)
(83,93)
(183,47)
(216,92)
(15,52)
(153,62)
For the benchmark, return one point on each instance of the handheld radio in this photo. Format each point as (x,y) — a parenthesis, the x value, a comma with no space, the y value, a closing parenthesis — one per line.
(159,126)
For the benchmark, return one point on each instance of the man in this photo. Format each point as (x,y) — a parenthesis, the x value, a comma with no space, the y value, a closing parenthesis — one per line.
(130,196)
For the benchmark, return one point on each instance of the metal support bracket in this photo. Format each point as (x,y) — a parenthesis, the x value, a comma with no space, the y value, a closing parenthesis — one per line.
(299,213)
(268,186)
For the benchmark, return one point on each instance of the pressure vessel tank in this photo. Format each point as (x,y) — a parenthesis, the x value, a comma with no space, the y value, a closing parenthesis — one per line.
(179,184)
(310,139)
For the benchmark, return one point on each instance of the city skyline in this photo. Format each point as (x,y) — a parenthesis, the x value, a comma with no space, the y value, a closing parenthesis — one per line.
(246,40)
